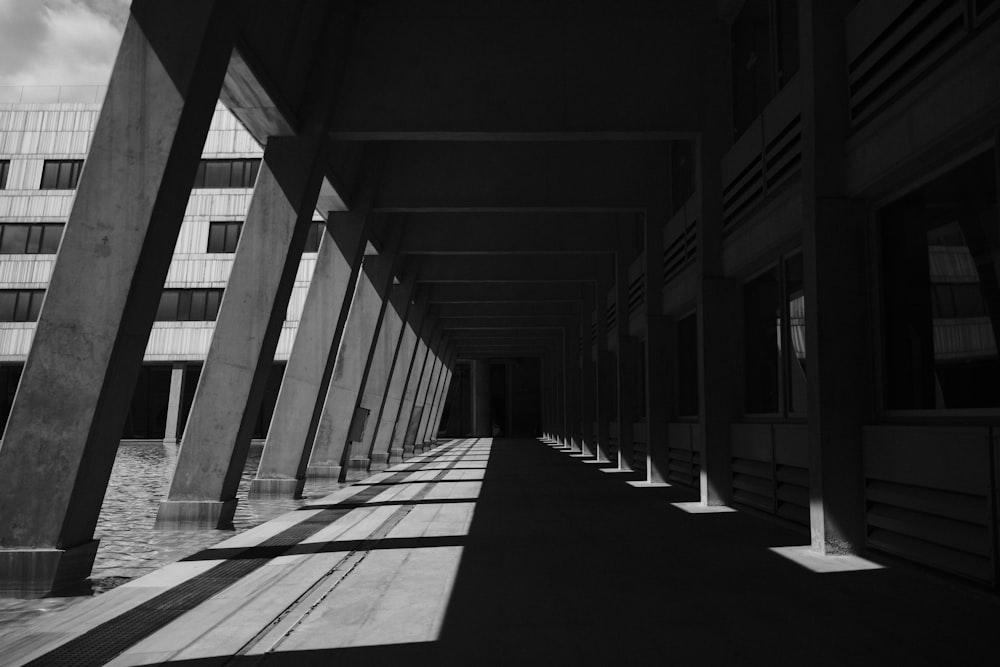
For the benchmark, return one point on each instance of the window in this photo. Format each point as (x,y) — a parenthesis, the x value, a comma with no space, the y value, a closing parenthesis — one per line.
(35,239)
(4,168)
(681,173)
(775,340)
(147,415)
(687,366)
(20,305)
(189,305)
(61,174)
(10,375)
(222,236)
(941,300)
(765,56)
(316,232)
(240,173)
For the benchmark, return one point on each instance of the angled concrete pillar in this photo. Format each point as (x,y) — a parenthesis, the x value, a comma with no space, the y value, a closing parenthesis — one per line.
(62,435)
(440,395)
(231,387)
(449,373)
(340,422)
(282,469)
(400,445)
(382,371)
(395,397)
(410,444)
(430,395)
(481,419)
(172,430)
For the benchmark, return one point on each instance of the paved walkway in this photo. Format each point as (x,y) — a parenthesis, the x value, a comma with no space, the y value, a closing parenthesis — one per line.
(511,552)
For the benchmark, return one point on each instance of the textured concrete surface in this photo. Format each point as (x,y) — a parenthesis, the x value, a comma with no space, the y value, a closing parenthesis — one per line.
(513,552)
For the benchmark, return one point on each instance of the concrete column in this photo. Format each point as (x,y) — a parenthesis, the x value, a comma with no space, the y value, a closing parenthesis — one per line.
(659,349)
(231,387)
(588,376)
(449,374)
(340,421)
(282,470)
(410,444)
(625,345)
(382,373)
(481,422)
(421,326)
(434,381)
(720,321)
(174,404)
(573,392)
(396,392)
(604,371)
(444,382)
(834,253)
(74,395)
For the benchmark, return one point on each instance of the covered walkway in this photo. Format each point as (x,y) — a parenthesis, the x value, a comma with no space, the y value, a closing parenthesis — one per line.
(514,551)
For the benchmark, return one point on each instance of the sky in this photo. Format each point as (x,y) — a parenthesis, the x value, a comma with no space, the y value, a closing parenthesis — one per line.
(59,42)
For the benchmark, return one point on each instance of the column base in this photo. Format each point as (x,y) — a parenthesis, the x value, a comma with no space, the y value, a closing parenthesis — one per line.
(357,469)
(195,514)
(380,461)
(323,471)
(276,488)
(36,573)
(395,455)
(408,451)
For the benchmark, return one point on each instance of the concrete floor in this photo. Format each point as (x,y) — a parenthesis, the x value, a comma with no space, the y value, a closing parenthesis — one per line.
(512,552)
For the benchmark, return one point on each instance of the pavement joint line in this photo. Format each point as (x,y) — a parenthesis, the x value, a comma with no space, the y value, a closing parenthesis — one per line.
(358,555)
(110,639)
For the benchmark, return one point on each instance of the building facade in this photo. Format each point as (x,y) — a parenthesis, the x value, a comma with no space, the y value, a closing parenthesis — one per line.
(45,134)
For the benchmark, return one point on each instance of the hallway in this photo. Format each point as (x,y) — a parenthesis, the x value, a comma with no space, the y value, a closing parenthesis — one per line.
(511,551)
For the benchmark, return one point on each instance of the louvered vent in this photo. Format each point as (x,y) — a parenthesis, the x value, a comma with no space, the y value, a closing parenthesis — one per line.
(636,293)
(892,45)
(765,157)
(680,251)
(612,316)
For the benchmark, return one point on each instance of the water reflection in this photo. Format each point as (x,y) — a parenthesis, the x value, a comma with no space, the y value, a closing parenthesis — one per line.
(140,479)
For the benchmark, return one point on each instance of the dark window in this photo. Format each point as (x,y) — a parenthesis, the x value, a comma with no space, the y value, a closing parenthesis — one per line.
(687,366)
(147,417)
(762,319)
(10,375)
(4,168)
(30,239)
(316,232)
(222,236)
(642,362)
(20,305)
(775,338)
(941,300)
(263,422)
(681,172)
(61,174)
(765,56)
(241,173)
(189,305)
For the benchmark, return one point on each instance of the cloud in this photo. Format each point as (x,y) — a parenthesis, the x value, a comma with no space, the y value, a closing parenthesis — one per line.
(59,42)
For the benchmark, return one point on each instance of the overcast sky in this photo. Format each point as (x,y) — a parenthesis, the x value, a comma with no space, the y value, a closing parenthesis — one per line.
(59,42)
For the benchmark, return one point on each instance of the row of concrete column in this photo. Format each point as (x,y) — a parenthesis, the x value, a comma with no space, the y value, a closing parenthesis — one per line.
(367,375)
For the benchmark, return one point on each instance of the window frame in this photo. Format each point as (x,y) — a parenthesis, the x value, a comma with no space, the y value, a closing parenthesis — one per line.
(75,169)
(26,301)
(883,413)
(207,300)
(46,231)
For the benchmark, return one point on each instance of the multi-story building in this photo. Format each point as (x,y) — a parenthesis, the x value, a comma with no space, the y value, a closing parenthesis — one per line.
(45,133)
